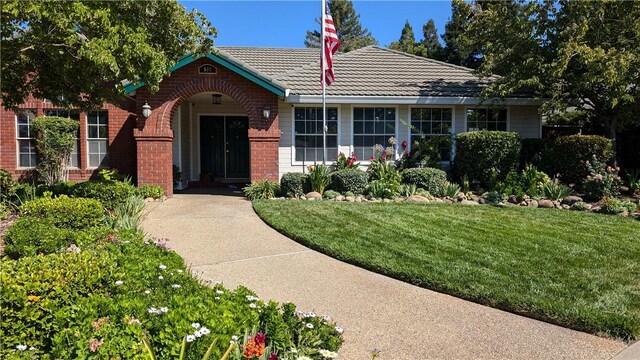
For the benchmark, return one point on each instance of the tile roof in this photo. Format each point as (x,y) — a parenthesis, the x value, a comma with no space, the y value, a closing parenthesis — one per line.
(370,71)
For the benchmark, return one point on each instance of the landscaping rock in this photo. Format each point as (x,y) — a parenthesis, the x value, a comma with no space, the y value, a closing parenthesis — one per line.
(571,199)
(339,198)
(475,198)
(417,198)
(398,199)
(566,207)
(624,213)
(461,196)
(149,199)
(313,195)
(350,199)
(359,198)
(523,203)
(468,202)
(513,199)
(386,200)
(533,204)
(557,204)
(546,204)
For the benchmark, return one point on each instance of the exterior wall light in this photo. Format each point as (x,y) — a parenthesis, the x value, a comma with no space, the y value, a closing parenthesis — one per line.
(266,112)
(146,110)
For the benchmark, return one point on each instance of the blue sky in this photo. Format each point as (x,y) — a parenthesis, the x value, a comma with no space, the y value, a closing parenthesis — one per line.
(284,23)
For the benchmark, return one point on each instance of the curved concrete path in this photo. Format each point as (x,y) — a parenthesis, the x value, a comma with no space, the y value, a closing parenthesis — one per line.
(223,238)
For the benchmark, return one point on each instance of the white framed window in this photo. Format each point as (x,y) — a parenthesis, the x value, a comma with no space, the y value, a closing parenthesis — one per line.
(25,142)
(98,138)
(371,126)
(308,133)
(74,160)
(486,119)
(433,122)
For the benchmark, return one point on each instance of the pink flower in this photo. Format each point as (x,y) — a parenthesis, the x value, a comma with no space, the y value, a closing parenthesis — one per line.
(371,158)
(404,144)
(94,344)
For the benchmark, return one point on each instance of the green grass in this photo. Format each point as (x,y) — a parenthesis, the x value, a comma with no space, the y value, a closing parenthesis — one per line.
(578,270)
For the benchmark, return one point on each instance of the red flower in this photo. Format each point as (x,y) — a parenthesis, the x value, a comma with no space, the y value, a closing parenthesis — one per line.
(404,144)
(273,356)
(407,154)
(371,158)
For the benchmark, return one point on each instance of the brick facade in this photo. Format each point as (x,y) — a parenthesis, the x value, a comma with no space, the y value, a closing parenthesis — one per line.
(142,148)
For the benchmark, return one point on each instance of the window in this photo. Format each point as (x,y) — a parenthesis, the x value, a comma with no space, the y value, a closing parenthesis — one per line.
(432,122)
(97,138)
(372,126)
(308,133)
(74,160)
(486,119)
(26,144)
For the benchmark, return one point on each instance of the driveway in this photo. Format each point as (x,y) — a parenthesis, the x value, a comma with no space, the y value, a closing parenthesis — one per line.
(221,237)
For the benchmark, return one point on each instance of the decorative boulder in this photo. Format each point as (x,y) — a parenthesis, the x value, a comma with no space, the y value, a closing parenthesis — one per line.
(314,195)
(546,204)
(417,198)
(571,199)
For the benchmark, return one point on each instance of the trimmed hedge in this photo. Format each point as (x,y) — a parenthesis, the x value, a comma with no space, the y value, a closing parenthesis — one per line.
(294,184)
(349,180)
(478,153)
(66,212)
(150,191)
(571,152)
(108,192)
(431,179)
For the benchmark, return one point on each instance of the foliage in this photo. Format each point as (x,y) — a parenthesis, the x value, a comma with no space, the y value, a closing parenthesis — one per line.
(319,177)
(127,214)
(479,153)
(330,194)
(571,154)
(294,184)
(56,189)
(22,193)
(554,190)
(353,180)
(347,23)
(407,190)
(602,180)
(381,189)
(583,55)
(494,197)
(6,185)
(529,182)
(451,190)
(65,212)
(538,152)
(633,179)
(385,179)
(431,179)
(109,193)
(445,247)
(263,189)
(150,191)
(407,41)
(5,211)
(579,206)
(344,163)
(425,152)
(177,175)
(54,139)
(430,46)
(613,206)
(91,44)
(110,175)
(456,50)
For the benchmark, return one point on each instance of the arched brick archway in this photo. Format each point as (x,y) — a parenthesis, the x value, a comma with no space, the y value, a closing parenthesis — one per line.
(154,135)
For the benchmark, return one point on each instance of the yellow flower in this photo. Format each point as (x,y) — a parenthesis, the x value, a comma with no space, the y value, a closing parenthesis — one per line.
(33,298)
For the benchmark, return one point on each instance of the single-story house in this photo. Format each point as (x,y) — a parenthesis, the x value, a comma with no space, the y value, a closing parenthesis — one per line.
(249,113)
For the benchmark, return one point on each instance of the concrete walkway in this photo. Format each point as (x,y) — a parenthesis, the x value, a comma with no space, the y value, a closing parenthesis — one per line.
(223,238)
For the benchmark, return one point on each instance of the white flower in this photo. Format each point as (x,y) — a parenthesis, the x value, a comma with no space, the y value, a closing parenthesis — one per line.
(160,277)
(324,353)
(252,305)
(309,326)
(339,330)
(147,292)
(162,267)
(164,309)
(231,342)
(326,317)
(197,333)
(153,310)
(31,348)
(251,298)
(219,292)
(175,286)
(311,314)
(21,347)
(180,271)
(216,298)
(234,338)
(205,331)
(195,325)
(333,355)
(119,282)
(190,338)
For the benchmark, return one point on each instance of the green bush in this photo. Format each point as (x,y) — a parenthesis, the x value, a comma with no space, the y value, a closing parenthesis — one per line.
(127,215)
(29,236)
(319,177)
(602,180)
(554,190)
(615,206)
(381,189)
(5,211)
(6,185)
(54,139)
(572,152)
(353,180)
(294,184)
(431,179)
(57,189)
(264,189)
(537,152)
(66,212)
(109,193)
(330,194)
(483,154)
(150,191)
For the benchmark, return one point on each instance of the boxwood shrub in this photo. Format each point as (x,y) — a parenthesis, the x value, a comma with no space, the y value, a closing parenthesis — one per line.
(108,192)
(65,212)
(294,184)
(349,180)
(29,236)
(431,179)
(572,151)
(478,153)
(150,191)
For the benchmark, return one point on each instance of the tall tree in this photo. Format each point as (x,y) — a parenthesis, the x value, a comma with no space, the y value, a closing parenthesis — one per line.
(347,22)
(75,53)
(584,55)
(430,44)
(407,40)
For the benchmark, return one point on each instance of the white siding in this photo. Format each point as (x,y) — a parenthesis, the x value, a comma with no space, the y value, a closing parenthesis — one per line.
(526,121)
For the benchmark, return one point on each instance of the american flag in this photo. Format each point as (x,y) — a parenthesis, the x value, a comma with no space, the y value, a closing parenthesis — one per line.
(331,43)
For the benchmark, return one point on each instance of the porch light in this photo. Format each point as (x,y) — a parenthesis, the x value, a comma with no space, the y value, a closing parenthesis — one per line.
(266,112)
(217,99)
(146,110)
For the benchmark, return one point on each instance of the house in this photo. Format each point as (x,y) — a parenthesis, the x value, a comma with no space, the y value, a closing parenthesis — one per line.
(246,113)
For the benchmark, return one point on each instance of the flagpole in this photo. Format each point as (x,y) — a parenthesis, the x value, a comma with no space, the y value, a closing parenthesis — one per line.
(324,85)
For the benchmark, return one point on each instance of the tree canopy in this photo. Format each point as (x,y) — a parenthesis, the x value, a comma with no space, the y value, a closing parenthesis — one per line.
(75,53)
(347,23)
(407,40)
(573,54)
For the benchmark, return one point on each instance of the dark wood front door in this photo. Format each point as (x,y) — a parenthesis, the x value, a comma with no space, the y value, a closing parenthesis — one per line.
(224,146)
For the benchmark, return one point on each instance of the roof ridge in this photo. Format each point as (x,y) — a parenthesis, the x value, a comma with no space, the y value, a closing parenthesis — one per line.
(262,47)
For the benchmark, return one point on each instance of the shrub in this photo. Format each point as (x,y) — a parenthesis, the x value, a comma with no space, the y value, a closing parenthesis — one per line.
(407,190)
(494,197)
(56,189)
(330,194)
(294,184)
(109,193)
(633,179)
(29,236)
(343,162)
(572,152)
(602,180)
(431,179)
(579,206)
(150,191)
(319,177)
(451,190)
(22,193)
(264,189)
(537,152)
(381,189)
(66,212)
(6,185)
(533,181)
(5,211)
(425,152)
(110,175)
(54,140)
(554,190)
(127,215)
(353,180)
(478,153)
(614,206)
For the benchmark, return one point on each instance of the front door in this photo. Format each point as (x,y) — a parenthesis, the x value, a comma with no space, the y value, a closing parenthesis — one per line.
(224,146)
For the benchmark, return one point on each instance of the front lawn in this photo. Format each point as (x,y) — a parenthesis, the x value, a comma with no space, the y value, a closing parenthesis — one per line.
(578,270)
